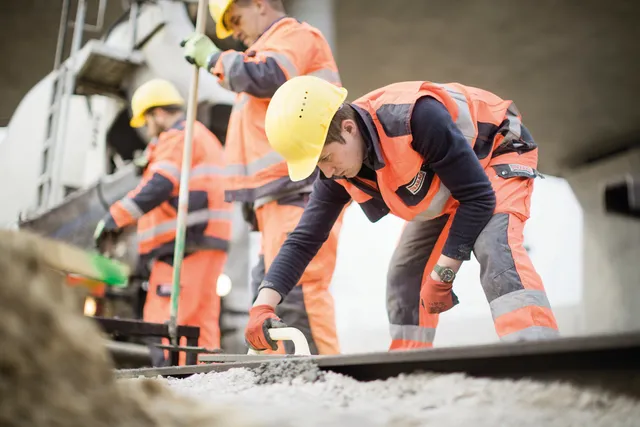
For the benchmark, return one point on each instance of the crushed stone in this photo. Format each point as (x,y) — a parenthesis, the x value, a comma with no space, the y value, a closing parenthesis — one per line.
(288,371)
(297,393)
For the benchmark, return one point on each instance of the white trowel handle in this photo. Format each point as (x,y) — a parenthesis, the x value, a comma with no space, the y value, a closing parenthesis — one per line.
(300,344)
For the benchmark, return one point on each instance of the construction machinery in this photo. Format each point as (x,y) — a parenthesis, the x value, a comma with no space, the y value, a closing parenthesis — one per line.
(69,148)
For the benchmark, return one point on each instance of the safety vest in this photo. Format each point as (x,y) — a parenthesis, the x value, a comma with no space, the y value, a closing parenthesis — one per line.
(254,169)
(405,185)
(209,216)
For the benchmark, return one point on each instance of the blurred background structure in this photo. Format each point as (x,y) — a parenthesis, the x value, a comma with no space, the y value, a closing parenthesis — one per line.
(571,67)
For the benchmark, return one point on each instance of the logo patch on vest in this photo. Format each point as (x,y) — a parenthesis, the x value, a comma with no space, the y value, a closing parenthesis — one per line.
(416,184)
(521,168)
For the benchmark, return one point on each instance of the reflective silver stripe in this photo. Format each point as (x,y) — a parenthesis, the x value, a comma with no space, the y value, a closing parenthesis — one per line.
(193,218)
(436,206)
(167,167)
(532,333)
(284,63)
(269,159)
(463,121)
(261,201)
(327,74)
(131,207)
(412,333)
(517,300)
(204,170)
(515,125)
(467,126)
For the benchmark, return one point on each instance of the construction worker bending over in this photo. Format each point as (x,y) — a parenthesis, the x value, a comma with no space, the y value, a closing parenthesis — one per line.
(454,161)
(153,205)
(280,48)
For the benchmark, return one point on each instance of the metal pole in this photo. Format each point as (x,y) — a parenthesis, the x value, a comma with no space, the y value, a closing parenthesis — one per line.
(183,196)
(62,32)
(58,152)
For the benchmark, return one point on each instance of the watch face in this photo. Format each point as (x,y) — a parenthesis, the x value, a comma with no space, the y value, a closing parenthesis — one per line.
(447,275)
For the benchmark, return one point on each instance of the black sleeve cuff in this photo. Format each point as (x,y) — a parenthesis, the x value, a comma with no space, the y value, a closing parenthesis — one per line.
(461,253)
(268,285)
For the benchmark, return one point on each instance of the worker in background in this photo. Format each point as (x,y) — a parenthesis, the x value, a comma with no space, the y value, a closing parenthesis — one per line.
(153,205)
(279,48)
(454,161)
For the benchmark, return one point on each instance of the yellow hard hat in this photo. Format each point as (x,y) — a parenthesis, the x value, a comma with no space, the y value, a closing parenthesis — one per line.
(218,8)
(154,93)
(298,119)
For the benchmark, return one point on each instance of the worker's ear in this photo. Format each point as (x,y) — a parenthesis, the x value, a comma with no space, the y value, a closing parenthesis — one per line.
(349,126)
(261,6)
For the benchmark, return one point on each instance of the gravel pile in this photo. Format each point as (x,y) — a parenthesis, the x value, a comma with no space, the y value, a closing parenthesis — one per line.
(294,393)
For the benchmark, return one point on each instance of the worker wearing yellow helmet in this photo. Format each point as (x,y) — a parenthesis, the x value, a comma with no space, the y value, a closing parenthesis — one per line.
(279,48)
(453,161)
(152,206)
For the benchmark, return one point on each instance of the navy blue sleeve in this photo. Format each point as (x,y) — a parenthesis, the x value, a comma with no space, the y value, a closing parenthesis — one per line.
(452,159)
(154,193)
(260,79)
(326,202)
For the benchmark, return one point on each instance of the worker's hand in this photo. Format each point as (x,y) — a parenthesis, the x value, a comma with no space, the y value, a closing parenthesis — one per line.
(261,319)
(198,49)
(106,226)
(437,296)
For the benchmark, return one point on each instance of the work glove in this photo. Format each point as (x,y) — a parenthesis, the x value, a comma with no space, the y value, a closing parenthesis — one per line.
(106,227)
(437,297)
(198,49)
(261,319)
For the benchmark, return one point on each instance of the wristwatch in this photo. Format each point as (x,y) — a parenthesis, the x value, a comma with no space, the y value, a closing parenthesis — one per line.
(447,275)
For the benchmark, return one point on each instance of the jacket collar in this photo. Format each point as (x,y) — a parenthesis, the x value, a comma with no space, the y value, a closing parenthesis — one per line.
(374,159)
(278,21)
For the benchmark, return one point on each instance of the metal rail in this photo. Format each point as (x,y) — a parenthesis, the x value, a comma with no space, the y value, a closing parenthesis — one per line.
(137,328)
(590,355)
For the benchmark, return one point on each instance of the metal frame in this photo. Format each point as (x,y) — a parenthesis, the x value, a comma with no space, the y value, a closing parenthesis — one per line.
(582,357)
(137,328)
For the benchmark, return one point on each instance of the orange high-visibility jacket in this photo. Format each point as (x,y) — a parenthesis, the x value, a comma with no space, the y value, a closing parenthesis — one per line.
(287,49)
(153,204)
(477,113)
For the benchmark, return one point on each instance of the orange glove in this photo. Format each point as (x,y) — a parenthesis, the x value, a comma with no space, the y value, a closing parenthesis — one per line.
(261,319)
(436,296)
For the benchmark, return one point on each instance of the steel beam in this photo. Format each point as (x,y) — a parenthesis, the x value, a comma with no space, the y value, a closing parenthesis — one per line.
(588,355)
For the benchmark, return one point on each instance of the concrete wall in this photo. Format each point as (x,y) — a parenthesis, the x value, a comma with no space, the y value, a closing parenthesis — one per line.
(611,249)
(568,65)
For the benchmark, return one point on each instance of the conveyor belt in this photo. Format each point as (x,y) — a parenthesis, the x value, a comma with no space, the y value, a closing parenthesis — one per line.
(589,354)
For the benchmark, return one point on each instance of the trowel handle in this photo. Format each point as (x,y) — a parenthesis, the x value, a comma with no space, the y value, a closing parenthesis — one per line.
(300,344)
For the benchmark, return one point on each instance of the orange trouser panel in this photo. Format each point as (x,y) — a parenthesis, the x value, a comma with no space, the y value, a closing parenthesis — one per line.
(199,304)
(418,249)
(514,290)
(309,306)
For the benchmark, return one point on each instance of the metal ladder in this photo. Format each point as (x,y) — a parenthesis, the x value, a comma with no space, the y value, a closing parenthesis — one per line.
(50,188)
(92,69)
